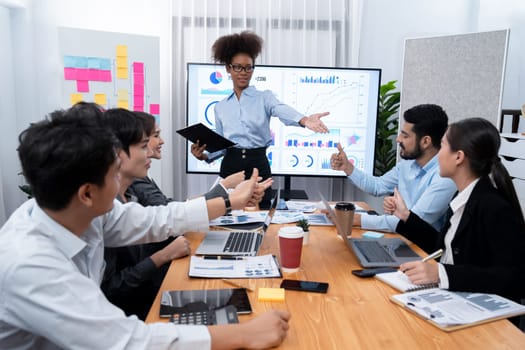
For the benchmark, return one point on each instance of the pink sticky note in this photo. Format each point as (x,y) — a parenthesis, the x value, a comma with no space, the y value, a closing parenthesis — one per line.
(154,108)
(82,74)
(105,75)
(82,86)
(138,89)
(138,100)
(93,75)
(70,73)
(138,108)
(138,67)
(138,79)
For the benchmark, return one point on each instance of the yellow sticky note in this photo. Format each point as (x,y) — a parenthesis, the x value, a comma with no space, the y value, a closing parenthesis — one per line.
(75,98)
(122,62)
(122,73)
(270,294)
(122,94)
(100,99)
(122,50)
(122,104)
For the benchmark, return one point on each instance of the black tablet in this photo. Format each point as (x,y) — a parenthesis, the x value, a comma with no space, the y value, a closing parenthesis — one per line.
(177,301)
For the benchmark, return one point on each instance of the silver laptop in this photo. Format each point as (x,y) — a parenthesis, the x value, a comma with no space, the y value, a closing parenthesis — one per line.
(375,252)
(237,242)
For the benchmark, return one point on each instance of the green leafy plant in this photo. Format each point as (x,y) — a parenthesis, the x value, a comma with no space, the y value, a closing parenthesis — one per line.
(303,223)
(387,125)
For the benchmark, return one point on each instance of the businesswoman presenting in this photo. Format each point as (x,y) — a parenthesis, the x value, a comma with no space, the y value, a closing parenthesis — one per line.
(484,241)
(244,116)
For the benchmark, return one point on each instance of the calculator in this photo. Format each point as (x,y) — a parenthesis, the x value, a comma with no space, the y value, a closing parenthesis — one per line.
(205,316)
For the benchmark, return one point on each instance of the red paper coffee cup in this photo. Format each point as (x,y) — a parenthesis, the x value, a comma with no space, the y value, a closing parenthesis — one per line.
(290,246)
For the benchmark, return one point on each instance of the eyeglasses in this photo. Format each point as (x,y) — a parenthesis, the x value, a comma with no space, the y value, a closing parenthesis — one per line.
(239,68)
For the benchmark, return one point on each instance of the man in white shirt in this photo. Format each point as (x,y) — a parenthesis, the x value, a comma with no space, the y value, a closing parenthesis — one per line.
(51,249)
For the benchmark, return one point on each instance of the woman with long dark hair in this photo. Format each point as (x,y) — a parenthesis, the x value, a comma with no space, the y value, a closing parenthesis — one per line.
(484,240)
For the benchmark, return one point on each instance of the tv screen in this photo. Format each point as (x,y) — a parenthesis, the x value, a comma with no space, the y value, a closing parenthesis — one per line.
(349,94)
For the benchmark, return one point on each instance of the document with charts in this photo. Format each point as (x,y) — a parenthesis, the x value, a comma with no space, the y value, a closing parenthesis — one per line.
(262,266)
(455,310)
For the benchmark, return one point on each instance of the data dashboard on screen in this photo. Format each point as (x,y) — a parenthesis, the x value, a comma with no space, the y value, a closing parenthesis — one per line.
(349,94)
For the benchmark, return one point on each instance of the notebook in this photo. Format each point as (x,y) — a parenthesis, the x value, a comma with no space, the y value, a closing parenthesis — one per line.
(236,242)
(375,252)
(400,281)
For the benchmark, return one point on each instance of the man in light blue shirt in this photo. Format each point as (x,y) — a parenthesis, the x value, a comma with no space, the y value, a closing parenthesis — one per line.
(417,176)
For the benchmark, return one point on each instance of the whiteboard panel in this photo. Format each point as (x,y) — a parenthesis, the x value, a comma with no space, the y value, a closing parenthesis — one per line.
(462,73)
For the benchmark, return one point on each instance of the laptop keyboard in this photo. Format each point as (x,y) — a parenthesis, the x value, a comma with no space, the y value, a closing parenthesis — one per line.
(239,242)
(373,251)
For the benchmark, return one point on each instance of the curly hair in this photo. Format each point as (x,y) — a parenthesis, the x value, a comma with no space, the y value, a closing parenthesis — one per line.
(228,46)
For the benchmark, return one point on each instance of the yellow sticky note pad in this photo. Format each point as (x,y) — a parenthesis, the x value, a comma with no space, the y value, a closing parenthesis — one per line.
(270,294)
(75,98)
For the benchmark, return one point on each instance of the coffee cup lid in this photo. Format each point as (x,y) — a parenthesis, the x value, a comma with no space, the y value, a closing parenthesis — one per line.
(344,206)
(291,232)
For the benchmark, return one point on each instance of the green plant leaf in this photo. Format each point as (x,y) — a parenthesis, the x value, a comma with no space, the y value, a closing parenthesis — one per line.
(387,125)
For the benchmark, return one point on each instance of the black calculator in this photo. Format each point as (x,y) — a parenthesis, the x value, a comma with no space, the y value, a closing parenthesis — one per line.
(205,316)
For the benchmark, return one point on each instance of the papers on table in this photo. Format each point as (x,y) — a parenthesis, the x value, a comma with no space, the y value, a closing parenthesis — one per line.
(454,310)
(286,216)
(231,267)
(240,217)
(305,207)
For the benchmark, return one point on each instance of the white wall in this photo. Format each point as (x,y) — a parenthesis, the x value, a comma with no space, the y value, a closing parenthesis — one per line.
(35,63)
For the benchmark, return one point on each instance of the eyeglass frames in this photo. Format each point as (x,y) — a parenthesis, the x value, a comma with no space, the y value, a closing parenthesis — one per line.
(239,68)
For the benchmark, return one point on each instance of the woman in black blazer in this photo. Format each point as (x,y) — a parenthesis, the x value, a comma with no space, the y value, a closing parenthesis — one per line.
(484,240)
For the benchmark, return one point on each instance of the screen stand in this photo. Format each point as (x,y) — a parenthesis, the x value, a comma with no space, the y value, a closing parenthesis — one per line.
(287,193)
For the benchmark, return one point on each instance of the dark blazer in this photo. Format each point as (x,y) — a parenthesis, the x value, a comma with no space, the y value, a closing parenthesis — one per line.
(488,248)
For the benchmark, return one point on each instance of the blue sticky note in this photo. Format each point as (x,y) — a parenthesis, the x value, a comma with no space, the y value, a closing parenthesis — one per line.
(371,234)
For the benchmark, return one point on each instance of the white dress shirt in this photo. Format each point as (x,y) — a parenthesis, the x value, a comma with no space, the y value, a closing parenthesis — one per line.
(49,280)
(458,207)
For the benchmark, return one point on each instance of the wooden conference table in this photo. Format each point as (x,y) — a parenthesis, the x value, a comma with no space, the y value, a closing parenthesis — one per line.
(356,313)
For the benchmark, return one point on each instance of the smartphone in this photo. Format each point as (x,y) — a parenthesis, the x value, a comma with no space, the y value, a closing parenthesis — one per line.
(305,286)
(373,271)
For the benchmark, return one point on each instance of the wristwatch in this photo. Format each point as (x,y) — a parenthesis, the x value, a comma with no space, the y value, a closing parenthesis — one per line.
(228,205)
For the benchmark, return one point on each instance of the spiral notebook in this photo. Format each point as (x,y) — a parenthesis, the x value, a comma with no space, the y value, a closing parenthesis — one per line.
(400,281)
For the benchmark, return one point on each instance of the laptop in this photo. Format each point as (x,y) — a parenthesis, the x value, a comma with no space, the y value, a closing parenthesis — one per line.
(237,242)
(375,252)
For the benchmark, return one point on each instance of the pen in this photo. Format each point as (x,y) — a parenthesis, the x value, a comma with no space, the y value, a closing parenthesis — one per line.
(434,255)
(222,257)
(236,284)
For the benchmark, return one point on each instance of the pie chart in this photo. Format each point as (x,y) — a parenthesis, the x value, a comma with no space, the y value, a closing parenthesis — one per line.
(216,77)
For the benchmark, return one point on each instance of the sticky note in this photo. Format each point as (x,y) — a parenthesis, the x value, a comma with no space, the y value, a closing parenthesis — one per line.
(100,99)
(122,95)
(75,98)
(372,234)
(122,50)
(82,86)
(270,294)
(122,104)
(154,108)
(122,73)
